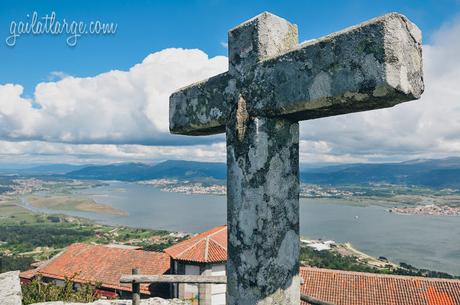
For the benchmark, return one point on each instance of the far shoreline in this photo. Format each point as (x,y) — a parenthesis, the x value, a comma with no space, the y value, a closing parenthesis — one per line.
(62,203)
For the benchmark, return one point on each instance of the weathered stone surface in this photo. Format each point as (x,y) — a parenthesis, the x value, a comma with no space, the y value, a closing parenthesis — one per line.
(272,83)
(10,288)
(10,294)
(153,301)
(262,178)
(262,212)
(206,104)
(375,64)
(260,38)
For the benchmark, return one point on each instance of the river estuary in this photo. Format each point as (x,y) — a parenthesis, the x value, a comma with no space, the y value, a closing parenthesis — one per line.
(431,242)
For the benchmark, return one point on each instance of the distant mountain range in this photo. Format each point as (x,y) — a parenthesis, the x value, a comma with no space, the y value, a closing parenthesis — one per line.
(140,171)
(437,173)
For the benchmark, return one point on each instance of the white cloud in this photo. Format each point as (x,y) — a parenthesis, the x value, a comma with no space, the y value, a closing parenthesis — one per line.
(429,127)
(46,152)
(56,75)
(104,118)
(113,107)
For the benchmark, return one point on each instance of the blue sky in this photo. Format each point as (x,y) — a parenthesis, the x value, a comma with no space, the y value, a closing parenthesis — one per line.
(148,26)
(106,99)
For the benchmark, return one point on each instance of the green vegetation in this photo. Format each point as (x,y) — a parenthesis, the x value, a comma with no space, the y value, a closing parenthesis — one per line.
(334,260)
(26,237)
(10,213)
(49,234)
(407,269)
(125,233)
(36,292)
(386,190)
(8,263)
(160,246)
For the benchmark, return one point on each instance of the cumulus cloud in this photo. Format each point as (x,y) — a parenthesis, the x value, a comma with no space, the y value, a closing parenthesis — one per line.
(56,75)
(123,115)
(46,152)
(429,127)
(113,107)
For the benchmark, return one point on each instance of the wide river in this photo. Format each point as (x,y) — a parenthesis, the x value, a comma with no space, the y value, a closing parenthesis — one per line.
(431,242)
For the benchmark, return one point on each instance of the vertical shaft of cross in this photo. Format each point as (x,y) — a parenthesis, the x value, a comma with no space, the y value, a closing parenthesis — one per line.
(262,211)
(262,178)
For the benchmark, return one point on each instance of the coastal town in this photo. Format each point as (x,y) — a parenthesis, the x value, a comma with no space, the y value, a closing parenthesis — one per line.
(318,191)
(23,186)
(430,209)
(423,206)
(188,187)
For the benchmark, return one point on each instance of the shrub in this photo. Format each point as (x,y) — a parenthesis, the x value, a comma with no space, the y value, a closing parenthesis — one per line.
(37,291)
(10,263)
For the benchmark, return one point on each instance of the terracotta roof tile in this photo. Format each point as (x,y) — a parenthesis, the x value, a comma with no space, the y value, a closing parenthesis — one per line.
(207,247)
(357,288)
(98,263)
(106,265)
(29,274)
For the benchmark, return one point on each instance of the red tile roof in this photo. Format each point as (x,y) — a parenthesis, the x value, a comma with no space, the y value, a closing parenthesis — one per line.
(29,274)
(207,247)
(357,288)
(98,263)
(106,265)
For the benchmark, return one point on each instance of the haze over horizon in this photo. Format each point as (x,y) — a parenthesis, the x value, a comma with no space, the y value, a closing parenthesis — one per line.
(29,165)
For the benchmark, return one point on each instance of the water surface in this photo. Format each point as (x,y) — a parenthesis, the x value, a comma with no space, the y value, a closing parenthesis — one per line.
(431,242)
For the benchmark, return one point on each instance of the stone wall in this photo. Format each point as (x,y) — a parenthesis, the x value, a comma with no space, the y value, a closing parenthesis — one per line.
(10,288)
(10,294)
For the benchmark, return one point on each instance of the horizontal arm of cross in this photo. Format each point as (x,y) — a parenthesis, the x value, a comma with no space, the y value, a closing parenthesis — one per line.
(200,109)
(376,64)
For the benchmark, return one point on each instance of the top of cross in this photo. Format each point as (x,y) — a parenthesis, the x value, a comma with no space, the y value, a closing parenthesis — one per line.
(375,64)
(258,39)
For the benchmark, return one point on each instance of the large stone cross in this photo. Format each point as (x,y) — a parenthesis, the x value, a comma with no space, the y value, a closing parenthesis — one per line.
(272,83)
